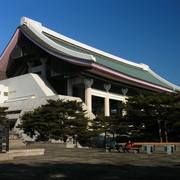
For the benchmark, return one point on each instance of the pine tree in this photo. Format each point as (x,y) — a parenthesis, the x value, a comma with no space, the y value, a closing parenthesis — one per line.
(56,120)
(104,124)
(157,112)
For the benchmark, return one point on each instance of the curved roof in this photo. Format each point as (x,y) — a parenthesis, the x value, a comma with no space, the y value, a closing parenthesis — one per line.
(140,71)
(101,63)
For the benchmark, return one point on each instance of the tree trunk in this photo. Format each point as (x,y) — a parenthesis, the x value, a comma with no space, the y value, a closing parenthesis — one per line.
(165,131)
(113,136)
(160,131)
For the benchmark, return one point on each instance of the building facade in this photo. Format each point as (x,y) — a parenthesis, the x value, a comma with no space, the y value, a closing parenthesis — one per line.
(40,63)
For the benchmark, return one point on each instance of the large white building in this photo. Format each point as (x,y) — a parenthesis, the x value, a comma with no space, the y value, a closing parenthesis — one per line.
(40,64)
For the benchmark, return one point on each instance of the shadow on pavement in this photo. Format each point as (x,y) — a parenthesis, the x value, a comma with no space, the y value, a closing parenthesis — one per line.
(48,171)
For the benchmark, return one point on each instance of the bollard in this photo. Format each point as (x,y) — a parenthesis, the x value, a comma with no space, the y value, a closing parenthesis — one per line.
(149,149)
(170,149)
(108,149)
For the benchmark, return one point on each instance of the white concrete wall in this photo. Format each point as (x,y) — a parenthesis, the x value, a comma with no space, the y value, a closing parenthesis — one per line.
(27,92)
(27,86)
(30,104)
(3,93)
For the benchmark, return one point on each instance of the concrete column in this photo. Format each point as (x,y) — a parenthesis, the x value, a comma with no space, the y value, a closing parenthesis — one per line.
(88,98)
(30,64)
(69,88)
(106,100)
(43,70)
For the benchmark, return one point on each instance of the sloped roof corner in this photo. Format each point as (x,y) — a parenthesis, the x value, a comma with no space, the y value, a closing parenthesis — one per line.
(144,67)
(173,86)
(37,27)
(31,23)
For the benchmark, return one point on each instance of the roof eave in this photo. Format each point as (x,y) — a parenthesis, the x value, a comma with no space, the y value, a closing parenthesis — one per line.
(4,58)
(120,77)
(36,28)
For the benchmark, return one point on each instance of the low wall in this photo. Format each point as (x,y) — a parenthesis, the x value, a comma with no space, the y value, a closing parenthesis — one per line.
(6,156)
(26,152)
(21,152)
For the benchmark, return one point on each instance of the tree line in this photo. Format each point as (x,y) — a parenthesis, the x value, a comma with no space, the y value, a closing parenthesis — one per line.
(149,117)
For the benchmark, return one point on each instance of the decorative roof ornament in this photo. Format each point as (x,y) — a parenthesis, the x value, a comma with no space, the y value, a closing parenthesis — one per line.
(88,82)
(107,87)
(124,91)
(31,23)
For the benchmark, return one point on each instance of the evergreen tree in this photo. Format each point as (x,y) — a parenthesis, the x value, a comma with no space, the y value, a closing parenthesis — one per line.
(107,125)
(100,125)
(125,129)
(154,114)
(56,120)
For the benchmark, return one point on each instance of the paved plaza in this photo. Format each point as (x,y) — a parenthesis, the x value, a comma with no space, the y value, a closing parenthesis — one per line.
(62,163)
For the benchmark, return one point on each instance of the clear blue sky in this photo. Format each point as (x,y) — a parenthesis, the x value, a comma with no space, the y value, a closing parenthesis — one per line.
(142,31)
